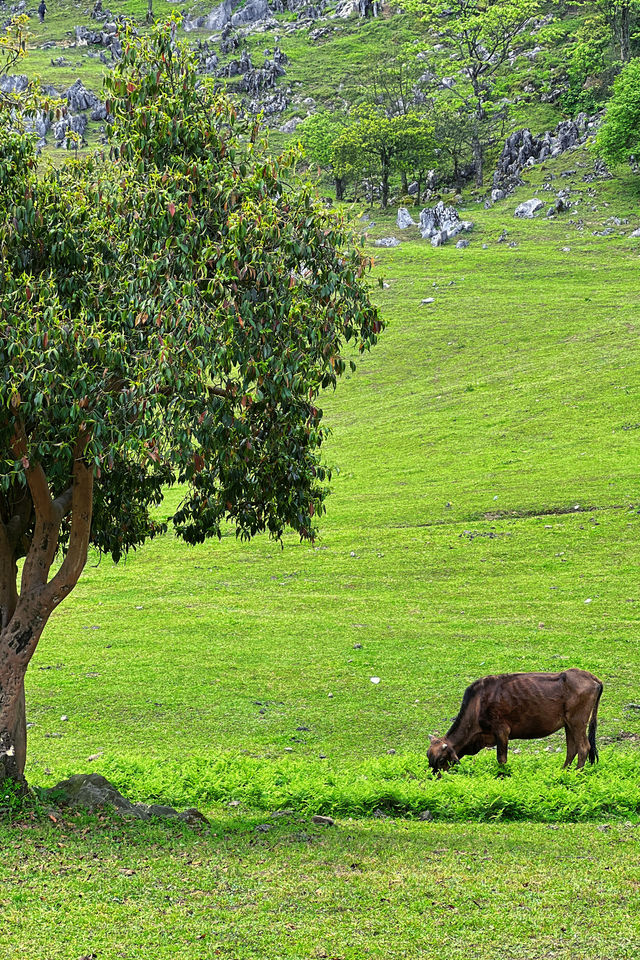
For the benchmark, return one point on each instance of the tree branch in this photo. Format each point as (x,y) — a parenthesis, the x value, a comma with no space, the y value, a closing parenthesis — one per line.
(81,512)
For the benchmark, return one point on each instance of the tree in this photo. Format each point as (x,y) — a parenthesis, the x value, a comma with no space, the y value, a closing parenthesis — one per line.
(168,316)
(416,151)
(368,145)
(482,35)
(618,139)
(319,134)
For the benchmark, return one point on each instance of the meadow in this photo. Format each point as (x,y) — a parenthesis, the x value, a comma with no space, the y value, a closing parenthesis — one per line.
(485,518)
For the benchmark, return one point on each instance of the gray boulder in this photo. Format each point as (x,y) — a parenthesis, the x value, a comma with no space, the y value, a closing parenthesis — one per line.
(635,234)
(252,12)
(80,99)
(528,209)
(404,219)
(440,223)
(387,242)
(93,792)
(216,20)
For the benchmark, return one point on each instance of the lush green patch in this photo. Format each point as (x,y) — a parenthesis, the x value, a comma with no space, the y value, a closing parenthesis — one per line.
(478,790)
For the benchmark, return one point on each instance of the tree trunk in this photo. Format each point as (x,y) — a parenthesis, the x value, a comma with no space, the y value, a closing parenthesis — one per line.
(23,617)
(385,187)
(478,160)
(149,11)
(339,183)
(405,183)
(625,43)
(13,733)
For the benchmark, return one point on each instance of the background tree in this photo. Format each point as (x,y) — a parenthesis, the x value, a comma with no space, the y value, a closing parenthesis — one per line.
(368,145)
(482,36)
(170,315)
(320,132)
(618,139)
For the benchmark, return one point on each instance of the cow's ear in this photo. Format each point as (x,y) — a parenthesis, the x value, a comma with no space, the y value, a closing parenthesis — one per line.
(431,737)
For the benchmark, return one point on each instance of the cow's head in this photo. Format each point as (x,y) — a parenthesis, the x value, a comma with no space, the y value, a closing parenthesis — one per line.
(441,755)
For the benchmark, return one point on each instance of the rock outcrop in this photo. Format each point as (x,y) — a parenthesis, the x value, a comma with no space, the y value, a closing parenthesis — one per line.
(522,149)
(404,219)
(441,223)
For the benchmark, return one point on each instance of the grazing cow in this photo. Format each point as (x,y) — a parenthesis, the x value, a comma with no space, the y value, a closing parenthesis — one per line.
(522,706)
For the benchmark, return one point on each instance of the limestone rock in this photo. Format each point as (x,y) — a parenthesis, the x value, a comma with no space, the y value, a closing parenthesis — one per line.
(404,219)
(528,209)
(387,242)
(440,223)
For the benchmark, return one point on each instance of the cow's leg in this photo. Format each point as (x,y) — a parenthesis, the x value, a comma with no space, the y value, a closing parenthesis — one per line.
(583,748)
(571,747)
(502,742)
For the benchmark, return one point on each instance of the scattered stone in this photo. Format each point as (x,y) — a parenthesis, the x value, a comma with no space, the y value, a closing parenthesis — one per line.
(263,827)
(528,209)
(427,300)
(461,244)
(387,242)
(323,821)
(635,234)
(391,751)
(404,219)
(425,815)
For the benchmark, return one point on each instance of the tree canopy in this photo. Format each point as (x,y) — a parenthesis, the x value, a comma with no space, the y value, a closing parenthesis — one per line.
(618,139)
(170,313)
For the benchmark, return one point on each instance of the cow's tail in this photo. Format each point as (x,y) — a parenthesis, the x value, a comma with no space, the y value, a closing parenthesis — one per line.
(593,726)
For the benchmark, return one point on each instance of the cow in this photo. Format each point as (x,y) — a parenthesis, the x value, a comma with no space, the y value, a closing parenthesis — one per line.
(522,706)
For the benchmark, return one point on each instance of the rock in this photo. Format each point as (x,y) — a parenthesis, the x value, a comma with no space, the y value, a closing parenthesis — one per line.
(404,219)
(80,99)
(290,125)
(427,300)
(426,815)
(522,149)
(441,223)
(218,18)
(461,244)
(323,821)
(264,827)
(497,195)
(252,12)
(387,242)
(635,235)
(412,189)
(529,208)
(94,792)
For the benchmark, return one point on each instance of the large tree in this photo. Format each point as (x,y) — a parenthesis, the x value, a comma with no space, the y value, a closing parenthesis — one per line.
(481,36)
(168,314)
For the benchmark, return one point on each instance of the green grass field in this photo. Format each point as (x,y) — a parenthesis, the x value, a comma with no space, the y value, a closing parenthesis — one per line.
(485,518)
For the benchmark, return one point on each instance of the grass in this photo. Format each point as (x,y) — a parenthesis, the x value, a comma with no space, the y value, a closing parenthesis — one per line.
(366,889)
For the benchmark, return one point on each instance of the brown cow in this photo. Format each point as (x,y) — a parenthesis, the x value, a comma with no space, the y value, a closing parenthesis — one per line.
(522,706)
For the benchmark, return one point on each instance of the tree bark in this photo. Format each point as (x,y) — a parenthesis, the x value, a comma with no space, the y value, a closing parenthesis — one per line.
(13,733)
(339,183)
(405,183)
(625,32)
(23,616)
(478,160)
